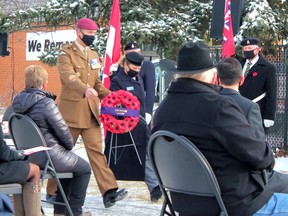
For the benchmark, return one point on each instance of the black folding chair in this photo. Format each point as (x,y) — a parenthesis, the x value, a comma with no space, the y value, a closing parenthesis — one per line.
(180,167)
(13,188)
(26,134)
(5,117)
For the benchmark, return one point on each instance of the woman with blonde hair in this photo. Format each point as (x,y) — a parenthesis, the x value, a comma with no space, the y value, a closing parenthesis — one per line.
(39,105)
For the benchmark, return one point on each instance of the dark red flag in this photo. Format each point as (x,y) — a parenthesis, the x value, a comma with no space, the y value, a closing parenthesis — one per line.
(228,46)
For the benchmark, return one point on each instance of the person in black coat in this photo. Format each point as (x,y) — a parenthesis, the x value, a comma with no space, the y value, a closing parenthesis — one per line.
(241,161)
(128,166)
(230,78)
(260,80)
(147,73)
(14,169)
(40,106)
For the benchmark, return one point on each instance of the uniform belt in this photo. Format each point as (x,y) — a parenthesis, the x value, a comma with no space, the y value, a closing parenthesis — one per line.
(255,100)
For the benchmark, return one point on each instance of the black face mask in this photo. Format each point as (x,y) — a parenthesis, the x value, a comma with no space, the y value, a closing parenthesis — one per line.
(249,54)
(88,39)
(132,73)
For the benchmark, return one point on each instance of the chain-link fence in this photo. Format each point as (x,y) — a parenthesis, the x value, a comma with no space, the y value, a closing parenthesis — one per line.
(277,136)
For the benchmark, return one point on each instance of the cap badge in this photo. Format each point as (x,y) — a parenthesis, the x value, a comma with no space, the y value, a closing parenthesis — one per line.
(248,41)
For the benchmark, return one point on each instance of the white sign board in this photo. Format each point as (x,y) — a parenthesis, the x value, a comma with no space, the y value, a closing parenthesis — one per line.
(37,42)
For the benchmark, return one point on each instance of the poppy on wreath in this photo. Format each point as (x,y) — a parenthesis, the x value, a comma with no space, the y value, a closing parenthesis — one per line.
(120,112)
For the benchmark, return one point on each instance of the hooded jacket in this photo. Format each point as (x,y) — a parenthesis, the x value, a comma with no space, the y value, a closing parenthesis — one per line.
(40,107)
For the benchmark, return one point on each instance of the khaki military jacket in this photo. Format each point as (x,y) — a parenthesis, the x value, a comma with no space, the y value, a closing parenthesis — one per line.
(77,73)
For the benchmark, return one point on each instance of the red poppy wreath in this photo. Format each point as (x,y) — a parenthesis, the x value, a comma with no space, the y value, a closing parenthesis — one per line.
(120,112)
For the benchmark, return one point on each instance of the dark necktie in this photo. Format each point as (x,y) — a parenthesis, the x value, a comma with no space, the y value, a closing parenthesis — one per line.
(247,69)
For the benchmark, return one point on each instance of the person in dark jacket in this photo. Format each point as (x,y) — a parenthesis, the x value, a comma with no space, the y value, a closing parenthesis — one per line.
(14,169)
(147,73)
(230,78)
(39,105)
(242,162)
(260,80)
(128,166)
(148,80)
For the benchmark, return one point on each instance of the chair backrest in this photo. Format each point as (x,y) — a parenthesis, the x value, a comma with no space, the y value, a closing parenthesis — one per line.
(181,167)
(24,131)
(26,134)
(7,113)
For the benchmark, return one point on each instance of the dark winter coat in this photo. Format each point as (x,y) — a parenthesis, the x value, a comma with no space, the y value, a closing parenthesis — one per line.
(218,127)
(147,73)
(40,107)
(12,167)
(251,110)
(128,166)
(260,79)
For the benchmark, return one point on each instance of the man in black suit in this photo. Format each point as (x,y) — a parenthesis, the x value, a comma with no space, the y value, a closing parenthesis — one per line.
(260,80)
(230,78)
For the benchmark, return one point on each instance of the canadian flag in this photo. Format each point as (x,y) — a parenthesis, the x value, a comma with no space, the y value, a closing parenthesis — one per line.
(113,49)
(228,46)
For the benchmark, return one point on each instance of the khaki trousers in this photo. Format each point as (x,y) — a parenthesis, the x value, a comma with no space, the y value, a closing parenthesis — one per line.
(51,187)
(93,144)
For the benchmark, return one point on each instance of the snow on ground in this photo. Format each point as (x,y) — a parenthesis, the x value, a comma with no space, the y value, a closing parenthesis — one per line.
(281,164)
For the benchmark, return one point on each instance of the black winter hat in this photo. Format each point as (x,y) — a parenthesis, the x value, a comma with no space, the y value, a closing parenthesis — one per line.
(194,57)
(131,46)
(134,58)
(250,41)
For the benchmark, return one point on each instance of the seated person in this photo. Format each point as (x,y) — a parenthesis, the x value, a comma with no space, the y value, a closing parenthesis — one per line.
(14,169)
(242,162)
(230,78)
(39,105)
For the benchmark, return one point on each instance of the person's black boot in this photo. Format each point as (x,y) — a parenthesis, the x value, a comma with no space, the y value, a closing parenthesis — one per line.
(155,194)
(112,196)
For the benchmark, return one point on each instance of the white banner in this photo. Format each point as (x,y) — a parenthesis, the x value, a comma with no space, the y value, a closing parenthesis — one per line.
(37,42)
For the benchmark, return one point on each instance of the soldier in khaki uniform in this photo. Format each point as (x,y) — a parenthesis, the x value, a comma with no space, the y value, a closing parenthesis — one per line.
(82,90)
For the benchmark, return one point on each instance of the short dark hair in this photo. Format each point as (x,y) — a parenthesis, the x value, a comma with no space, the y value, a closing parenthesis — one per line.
(229,71)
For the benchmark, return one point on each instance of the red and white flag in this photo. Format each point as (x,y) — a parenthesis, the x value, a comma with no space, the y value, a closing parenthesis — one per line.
(228,46)
(113,49)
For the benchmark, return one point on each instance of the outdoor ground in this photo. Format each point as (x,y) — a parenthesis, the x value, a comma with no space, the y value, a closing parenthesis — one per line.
(137,202)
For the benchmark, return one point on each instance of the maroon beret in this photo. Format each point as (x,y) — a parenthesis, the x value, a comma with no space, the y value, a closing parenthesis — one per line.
(86,23)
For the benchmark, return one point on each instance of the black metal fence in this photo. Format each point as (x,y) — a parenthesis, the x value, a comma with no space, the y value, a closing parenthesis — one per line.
(277,136)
